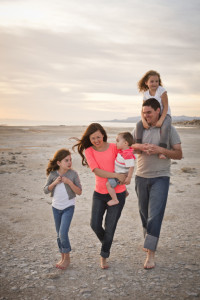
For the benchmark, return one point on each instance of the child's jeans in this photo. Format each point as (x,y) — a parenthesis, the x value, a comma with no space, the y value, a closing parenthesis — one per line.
(62,220)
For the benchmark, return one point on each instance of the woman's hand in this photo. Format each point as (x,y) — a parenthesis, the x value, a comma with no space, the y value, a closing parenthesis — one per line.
(121,177)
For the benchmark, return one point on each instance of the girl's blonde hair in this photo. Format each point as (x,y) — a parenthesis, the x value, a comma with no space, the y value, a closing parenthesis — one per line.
(142,83)
(58,156)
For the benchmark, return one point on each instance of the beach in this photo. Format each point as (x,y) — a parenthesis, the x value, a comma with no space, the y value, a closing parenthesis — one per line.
(28,238)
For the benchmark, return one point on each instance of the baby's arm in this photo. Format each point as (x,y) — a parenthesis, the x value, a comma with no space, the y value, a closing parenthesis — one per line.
(164,99)
(77,190)
(129,177)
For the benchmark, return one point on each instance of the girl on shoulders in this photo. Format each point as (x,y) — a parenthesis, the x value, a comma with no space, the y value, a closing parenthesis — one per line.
(151,85)
(63,184)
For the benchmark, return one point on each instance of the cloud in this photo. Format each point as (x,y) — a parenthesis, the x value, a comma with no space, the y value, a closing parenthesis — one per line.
(65,54)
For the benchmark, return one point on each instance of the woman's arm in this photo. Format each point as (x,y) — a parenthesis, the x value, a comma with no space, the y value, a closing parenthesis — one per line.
(164,99)
(106,174)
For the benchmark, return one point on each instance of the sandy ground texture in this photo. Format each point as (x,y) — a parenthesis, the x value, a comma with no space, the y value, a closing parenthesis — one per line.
(28,240)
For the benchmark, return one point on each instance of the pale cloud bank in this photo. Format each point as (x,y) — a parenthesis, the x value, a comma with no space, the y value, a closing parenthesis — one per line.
(69,61)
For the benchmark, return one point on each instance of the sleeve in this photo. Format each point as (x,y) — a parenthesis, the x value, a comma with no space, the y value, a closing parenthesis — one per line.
(162,90)
(129,162)
(133,134)
(91,159)
(174,137)
(146,95)
(48,182)
(77,180)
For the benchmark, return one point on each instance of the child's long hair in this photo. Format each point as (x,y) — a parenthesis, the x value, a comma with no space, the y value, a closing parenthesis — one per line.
(85,143)
(142,83)
(58,156)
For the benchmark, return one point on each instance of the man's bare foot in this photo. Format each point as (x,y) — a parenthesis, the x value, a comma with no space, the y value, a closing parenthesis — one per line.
(112,202)
(65,262)
(150,260)
(162,156)
(103,263)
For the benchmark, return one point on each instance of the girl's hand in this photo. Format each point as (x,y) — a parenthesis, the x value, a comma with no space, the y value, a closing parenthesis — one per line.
(145,124)
(66,180)
(58,180)
(159,123)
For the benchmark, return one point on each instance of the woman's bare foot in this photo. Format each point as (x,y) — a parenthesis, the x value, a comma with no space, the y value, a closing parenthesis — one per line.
(60,261)
(112,202)
(65,263)
(150,260)
(103,263)
(145,249)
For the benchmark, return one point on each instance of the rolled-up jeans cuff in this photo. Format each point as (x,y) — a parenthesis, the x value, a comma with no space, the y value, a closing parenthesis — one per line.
(104,254)
(150,242)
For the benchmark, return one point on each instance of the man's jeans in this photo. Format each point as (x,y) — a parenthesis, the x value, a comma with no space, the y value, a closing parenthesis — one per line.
(152,198)
(62,220)
(113,213)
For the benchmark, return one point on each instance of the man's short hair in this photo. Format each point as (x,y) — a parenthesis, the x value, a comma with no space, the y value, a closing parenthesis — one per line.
(152,102)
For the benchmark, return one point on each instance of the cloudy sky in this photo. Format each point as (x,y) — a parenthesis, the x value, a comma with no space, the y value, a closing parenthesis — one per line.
(79,61)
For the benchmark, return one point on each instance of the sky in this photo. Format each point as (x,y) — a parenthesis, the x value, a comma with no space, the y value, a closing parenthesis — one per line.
(70,62)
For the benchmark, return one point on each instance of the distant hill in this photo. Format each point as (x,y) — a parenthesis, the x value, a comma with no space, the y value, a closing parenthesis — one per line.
(136,119)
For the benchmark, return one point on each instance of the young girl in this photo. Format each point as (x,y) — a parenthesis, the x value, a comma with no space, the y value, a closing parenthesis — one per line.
(63,183)
(151,85)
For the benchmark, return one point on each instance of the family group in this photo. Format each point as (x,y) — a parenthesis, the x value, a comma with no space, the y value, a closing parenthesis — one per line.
(155,142)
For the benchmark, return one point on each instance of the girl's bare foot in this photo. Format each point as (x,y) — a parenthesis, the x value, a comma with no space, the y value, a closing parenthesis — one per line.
(162,156)
(150,260)
(112,202)
(60,261)
(103,263)
(65,263)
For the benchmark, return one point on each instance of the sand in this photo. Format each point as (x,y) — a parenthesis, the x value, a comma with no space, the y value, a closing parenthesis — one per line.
(28,239)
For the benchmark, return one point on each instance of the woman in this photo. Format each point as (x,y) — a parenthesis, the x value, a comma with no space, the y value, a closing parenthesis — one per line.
(100,155)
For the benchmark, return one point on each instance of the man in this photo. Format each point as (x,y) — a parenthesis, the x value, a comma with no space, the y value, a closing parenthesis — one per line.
(152,177)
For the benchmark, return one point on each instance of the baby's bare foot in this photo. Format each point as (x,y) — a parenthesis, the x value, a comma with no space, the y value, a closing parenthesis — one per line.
(112,202)
(103,263)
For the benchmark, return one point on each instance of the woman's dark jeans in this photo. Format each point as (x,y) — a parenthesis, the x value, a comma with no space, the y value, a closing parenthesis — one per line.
(113,213)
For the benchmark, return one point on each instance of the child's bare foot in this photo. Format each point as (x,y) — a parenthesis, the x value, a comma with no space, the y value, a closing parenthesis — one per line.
(65,262)
(162,156)
(60,261)
(150,260)
(112,202)
(103,263)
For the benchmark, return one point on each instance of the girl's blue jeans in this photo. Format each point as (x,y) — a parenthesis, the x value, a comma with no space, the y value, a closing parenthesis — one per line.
(152,198)
(62,220)
(113,213)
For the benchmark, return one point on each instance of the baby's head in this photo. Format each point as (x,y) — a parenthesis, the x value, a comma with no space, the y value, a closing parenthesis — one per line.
(124,140)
